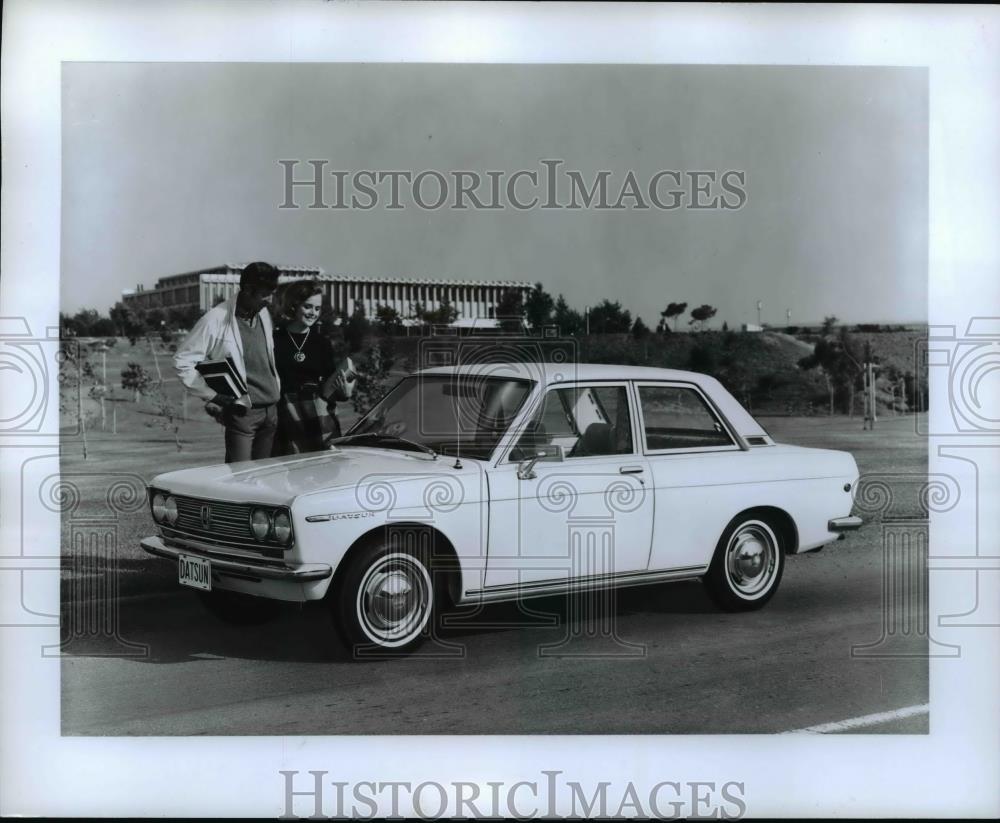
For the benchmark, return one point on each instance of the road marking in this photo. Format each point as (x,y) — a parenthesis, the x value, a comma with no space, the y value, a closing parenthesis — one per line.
(865,720)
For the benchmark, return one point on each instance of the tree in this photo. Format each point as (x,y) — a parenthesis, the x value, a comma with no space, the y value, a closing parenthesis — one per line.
(703,359)
(166,410)
(87,323)
(182,317)
(372,375)
(75,373)
(510,310)
(133,322)
(388,320)
(538,308)
(569,321)
(120,317)
(840,361)
(828,323)
(155,320)
(702,315)
(673,310)
(136,379)
(357,328)
(331,318)
(444,315)
(418,312)
(609,318)
(767,383)
(640,331)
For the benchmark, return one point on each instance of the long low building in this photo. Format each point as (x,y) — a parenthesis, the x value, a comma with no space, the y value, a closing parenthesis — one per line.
(473,299)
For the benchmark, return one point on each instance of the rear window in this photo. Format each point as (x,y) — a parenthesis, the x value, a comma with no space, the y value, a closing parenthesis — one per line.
(675,417)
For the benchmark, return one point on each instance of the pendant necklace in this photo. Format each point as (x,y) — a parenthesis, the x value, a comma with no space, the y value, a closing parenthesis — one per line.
(299,355)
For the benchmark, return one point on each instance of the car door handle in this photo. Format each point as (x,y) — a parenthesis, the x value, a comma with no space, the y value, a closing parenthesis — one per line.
(631,470)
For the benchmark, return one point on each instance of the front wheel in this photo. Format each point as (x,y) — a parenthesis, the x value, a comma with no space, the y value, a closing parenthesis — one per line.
(747,565)
(385,600)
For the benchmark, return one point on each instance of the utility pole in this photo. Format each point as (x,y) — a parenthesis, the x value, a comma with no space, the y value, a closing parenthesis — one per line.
(104,384)
(759,307)
(871,416)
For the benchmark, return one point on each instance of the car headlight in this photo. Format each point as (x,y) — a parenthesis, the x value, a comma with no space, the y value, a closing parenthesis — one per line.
(282,527)
(159,507)
(170,510)
(260,524)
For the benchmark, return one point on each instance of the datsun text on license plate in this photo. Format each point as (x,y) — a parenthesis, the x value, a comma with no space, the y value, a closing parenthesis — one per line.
(195,572)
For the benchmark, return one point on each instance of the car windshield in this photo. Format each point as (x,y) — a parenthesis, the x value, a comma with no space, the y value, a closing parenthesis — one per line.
(452,414)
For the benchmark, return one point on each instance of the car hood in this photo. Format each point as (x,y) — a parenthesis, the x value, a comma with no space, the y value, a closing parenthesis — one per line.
(279,480)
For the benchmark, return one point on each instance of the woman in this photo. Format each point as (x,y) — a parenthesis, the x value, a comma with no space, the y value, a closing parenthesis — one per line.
(313,378)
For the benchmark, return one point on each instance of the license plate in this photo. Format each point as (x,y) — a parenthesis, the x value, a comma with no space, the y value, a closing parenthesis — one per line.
(195,572)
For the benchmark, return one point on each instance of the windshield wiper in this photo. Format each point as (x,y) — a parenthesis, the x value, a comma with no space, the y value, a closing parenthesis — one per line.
(377,436)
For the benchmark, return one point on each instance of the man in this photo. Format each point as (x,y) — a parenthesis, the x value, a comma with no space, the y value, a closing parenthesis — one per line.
(239,328)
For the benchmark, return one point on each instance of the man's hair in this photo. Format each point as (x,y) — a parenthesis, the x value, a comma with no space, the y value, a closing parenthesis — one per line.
(292,295)
(259,276)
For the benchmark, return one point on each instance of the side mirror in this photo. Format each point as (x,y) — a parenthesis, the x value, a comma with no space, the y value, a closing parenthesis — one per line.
(549,454)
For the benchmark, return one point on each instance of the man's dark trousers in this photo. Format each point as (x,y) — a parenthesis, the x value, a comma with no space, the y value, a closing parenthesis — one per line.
(249,436)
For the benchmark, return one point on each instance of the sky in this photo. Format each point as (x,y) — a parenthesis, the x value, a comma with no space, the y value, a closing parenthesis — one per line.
(170,167)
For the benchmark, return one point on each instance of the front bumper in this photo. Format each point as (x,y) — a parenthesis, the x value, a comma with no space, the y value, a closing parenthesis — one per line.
(840,525)
(247,569)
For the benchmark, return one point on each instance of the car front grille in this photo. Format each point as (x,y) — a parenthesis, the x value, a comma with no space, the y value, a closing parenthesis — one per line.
(226,520)
(228,524)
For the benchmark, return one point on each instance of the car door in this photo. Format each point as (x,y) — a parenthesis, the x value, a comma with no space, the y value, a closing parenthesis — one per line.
(700,476)
(588,515)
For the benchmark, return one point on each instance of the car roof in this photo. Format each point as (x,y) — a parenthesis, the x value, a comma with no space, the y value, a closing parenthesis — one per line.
(549,373)
(552,374)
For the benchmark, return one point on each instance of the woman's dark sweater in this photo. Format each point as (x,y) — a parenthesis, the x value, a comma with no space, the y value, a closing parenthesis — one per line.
(319,363)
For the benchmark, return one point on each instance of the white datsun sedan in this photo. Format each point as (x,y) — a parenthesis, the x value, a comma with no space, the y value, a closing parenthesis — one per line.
(504,481)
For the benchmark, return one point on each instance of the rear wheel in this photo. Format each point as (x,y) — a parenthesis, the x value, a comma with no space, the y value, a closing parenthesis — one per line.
(747,565)
(239,609)
(385,599)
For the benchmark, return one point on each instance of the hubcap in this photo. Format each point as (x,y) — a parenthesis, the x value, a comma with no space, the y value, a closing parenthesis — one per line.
(391,597)
(394,600)
(752,559)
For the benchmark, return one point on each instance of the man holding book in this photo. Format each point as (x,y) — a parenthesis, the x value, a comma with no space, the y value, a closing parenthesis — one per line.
(228,361)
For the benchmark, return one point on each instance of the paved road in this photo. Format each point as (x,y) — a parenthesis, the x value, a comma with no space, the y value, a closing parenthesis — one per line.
(678,666)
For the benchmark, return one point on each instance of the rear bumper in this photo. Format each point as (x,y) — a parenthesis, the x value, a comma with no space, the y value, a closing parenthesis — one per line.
(246,569)
(839,525)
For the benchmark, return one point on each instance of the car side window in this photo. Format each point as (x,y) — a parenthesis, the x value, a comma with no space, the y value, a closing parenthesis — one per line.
(675,417)
(586,421)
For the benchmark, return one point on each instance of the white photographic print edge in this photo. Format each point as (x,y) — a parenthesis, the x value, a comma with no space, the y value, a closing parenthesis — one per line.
(949,772)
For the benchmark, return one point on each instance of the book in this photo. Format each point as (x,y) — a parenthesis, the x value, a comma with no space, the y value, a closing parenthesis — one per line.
(223,378)
(345,367)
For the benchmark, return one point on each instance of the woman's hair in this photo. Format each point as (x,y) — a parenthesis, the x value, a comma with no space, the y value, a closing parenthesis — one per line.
(295,294)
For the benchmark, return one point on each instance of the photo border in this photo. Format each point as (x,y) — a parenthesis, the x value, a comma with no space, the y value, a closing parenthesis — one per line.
(950,772)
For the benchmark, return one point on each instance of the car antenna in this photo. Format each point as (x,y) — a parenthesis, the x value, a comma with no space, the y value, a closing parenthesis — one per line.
(458,447)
